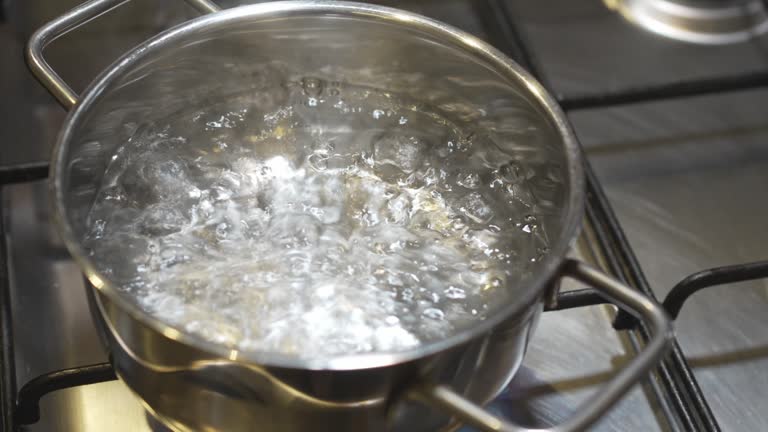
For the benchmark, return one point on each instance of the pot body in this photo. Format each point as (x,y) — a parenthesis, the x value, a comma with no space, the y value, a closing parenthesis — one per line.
(188,389)
(253,56)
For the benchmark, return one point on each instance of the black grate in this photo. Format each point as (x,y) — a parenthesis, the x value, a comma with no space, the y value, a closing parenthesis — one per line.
(674,385)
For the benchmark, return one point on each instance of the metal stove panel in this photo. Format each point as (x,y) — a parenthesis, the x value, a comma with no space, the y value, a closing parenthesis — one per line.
(583,47)
(688,180)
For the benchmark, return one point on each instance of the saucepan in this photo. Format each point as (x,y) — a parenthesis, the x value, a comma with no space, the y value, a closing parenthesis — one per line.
(190,383)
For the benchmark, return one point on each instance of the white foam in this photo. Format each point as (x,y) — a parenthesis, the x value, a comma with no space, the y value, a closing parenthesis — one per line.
(303,257)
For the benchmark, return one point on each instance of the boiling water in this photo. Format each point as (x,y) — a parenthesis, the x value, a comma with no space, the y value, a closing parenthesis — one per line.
(342,220)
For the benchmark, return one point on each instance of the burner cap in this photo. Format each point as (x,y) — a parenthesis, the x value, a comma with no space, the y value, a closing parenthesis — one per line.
(705,22)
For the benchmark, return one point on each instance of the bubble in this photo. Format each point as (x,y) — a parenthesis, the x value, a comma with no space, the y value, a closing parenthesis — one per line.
(402,151)
(318,161)
(312,87)
(476,208)
(392,320)
(520,194)
(407,295)
(469,180)
(387,338)
(171,254)
(161,219)
(97,229)
(370,218)
(399,209)
(299,264)
(113,193)
(229,120)
(455,293)
(367,158)
(433,313)
(156,177)
(325,291)
(493,284)
(464,144)
(530,224)
(221,193)
(120,256)
(222,231)
(511,172)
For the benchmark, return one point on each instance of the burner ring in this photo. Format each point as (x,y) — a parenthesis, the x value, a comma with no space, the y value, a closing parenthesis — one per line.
(702,22)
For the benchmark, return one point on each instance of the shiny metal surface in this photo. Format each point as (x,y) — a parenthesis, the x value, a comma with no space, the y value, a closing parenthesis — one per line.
(715,22)
(233,396)
(444,397)
(65,23)
(145,84)
(682,176)
(171,370)
(155,359)
(571,354)
(713,145)
(52,326)
(236,396)
(686,193)
(603,52)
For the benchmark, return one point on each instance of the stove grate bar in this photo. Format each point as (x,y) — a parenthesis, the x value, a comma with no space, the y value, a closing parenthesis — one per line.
(7,356)
(23,173)
(666,91)
(674,301)
(696,282)
(28,406)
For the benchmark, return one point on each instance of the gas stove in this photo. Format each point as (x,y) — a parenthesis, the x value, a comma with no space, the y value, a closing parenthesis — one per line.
(675,132)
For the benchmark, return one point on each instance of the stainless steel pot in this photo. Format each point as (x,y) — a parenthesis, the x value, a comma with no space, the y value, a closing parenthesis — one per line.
(188,383)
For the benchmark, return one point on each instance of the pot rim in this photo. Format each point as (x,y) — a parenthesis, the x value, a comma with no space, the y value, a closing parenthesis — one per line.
(502,64)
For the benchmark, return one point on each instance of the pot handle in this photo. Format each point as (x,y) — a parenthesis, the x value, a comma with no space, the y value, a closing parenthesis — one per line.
(62,25)
(440,396)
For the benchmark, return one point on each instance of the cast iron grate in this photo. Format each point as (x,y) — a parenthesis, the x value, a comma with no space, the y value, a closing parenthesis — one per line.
(673,383)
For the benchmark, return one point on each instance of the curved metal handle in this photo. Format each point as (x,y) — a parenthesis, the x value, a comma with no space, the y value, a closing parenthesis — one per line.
(443,397)
(63,25)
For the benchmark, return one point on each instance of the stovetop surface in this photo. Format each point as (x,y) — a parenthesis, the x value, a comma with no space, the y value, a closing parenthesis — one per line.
(686,177)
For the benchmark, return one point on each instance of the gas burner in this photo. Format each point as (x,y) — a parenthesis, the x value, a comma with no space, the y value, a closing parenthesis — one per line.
(708,22)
